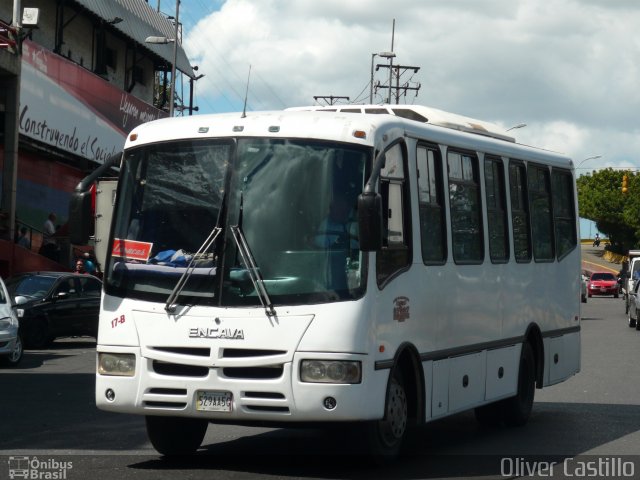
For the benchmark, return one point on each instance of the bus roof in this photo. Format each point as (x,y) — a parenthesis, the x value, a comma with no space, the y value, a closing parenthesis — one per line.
(355,124)
(423,114)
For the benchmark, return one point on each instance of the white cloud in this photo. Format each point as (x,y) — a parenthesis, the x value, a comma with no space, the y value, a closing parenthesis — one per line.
(567,68)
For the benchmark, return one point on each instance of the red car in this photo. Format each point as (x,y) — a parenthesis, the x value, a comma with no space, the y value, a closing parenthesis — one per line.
(603,283)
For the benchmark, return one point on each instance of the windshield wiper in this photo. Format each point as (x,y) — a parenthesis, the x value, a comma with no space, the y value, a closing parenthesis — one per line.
(253,270)
(171,306)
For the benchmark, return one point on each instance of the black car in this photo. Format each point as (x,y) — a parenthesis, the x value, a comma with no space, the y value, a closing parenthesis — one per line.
(55,304)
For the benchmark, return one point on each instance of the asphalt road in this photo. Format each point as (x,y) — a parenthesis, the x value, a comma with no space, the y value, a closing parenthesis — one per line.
(48,414)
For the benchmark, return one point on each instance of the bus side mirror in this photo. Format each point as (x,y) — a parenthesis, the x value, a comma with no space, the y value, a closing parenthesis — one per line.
(80,217)
(370,221)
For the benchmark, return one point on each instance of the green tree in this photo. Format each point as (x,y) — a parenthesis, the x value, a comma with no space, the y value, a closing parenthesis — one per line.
(616,214)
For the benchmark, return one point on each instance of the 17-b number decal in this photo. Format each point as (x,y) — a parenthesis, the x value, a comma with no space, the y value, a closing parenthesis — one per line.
(117,321)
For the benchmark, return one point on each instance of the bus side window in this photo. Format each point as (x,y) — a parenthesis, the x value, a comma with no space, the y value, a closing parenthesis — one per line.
(465,205)
(496,210)
(563,212)
(431,205)
(396,252)
(520,212)
(541,214)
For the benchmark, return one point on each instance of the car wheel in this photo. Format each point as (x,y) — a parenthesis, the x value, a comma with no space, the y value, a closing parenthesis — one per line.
(38,335)
(518,409)
(173,436)
(16,354)
(385,436)
(615,295)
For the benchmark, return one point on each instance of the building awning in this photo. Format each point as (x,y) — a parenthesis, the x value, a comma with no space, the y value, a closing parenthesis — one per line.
(139,21)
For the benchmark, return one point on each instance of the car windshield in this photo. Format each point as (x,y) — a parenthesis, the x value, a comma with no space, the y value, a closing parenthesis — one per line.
(293,202)
(603,276)
(30,286)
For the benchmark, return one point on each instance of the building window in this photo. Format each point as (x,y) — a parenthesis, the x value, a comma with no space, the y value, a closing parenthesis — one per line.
(138,75)
(111,56)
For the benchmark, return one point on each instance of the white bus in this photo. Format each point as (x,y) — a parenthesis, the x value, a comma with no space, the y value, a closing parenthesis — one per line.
(380,267)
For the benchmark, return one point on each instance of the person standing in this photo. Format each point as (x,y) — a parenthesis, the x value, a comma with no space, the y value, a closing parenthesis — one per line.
(89,265)
(49,245)
(80,267)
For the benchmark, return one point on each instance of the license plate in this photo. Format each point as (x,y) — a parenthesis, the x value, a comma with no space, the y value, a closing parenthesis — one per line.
(603,289)
(213,401)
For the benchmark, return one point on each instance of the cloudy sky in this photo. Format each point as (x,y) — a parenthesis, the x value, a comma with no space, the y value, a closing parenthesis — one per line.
(569,69)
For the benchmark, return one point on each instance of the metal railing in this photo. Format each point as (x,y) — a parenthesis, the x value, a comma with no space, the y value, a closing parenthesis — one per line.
(8,36)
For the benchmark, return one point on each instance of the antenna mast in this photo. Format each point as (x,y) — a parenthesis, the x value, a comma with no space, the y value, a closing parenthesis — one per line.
(246,95)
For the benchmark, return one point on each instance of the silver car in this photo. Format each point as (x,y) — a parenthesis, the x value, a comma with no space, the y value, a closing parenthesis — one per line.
(10,341)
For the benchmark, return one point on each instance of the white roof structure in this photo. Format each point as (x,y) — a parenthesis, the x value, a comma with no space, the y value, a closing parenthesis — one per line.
(423,114)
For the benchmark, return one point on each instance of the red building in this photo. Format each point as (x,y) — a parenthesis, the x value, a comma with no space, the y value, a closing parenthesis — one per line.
(71,88)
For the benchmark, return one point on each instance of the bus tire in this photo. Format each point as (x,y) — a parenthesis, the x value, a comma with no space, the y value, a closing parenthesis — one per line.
(385,436)
(518,409)
(173,436)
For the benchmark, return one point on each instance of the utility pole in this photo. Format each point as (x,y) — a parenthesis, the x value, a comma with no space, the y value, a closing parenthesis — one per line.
(329,98)
(399,71)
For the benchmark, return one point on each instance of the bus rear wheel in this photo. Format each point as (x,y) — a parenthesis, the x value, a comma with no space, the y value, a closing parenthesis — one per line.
(517,409)
(385,436)
(173,436)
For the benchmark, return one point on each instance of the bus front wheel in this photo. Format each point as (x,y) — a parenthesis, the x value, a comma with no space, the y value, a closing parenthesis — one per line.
(172,436)
(385,436)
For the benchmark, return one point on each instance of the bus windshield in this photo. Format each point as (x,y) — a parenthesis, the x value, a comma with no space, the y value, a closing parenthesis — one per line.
(293,201)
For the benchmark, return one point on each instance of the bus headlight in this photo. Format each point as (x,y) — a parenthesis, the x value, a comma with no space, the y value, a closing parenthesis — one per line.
(122,364)
(330,371)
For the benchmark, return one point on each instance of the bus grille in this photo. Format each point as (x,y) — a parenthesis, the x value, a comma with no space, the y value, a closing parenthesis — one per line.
(255,373)
(179,370)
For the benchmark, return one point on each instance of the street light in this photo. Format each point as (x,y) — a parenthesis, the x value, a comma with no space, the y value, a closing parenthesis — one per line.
(388,55)
(588,158)
(519,125)
(164,41)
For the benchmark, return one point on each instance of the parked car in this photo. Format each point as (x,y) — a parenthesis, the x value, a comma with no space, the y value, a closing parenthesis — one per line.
(634,306)
(55,304)
(584,280)
(10,338)
(603,283)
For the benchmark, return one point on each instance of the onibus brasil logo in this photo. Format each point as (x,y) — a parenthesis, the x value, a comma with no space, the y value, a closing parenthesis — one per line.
(34,468)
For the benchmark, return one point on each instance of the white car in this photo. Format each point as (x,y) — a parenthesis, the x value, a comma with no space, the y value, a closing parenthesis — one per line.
(10,341)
